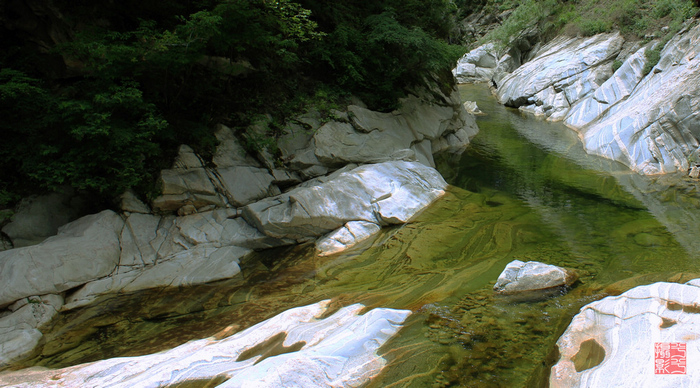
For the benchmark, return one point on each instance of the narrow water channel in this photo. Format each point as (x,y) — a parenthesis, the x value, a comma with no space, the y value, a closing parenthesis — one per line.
(523,190)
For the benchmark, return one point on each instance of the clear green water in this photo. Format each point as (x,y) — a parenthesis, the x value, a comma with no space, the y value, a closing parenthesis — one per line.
(524,190)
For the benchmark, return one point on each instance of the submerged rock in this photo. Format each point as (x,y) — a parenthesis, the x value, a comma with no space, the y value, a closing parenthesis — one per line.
(294,348)
(614,342)
(533,279)
(349,235)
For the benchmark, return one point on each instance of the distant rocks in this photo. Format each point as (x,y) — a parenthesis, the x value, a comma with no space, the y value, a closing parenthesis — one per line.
(533,280)
(294,348)
(641,114)
(612,342)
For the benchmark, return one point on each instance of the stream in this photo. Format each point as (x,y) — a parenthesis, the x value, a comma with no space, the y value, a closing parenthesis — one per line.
(524,189)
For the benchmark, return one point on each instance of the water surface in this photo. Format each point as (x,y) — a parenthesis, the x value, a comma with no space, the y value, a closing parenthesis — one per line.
(523,190)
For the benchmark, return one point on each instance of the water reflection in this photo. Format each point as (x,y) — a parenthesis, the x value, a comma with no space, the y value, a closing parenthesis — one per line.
(524,190)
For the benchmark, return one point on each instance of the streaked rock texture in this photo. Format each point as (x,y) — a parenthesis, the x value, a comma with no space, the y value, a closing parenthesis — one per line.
(610,343)
(648,122)
(295,348)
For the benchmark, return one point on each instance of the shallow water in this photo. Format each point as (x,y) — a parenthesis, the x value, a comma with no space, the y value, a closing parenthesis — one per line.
(523,190)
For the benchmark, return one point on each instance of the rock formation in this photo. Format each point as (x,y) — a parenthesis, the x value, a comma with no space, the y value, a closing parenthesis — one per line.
(611,342)
(648,122)
(294,348)
(343,180)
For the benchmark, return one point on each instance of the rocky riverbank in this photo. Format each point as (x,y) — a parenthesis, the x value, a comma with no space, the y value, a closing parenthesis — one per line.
(623,106)
(339,182)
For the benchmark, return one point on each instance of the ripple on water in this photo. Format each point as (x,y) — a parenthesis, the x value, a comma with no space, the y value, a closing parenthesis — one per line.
(514,197)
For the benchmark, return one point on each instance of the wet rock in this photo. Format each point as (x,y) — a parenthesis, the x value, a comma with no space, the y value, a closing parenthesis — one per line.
(294,348)
(611,342)
(532,279)
(472,108)
(83,250)
(349,235)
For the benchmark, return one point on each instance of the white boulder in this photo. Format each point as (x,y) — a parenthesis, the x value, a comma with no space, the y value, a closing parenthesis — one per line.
(520,277)
(294,348)
(611,342)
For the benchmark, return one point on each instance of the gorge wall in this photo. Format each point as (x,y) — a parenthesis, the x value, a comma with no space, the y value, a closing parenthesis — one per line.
(642,114)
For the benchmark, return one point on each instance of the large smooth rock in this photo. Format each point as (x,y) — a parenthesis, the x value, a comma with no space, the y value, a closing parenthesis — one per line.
(406,134)
(478,65)
(611,342)
(295,348)
(656,128)
(83,250)
(532,276)
(384,193)
(649,122)
(177,251)
(566,65)
(244,185)
(229,152)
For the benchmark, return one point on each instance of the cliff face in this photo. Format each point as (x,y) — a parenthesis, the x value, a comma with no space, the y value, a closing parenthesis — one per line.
(598,86)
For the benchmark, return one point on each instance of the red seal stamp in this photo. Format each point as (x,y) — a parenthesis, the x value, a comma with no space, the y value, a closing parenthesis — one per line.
(669,358)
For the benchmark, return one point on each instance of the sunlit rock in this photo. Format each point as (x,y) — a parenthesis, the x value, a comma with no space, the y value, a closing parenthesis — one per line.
(478,65)
(83,250)
(349,235)
(611,342)
(657,126)
(533,279)
(294,348)
(384,193)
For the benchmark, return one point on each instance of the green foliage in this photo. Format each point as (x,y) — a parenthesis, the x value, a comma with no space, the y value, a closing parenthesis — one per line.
(145,77)
(529,14)
(635,18)
(653,56)
(616,65)
(95,141)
